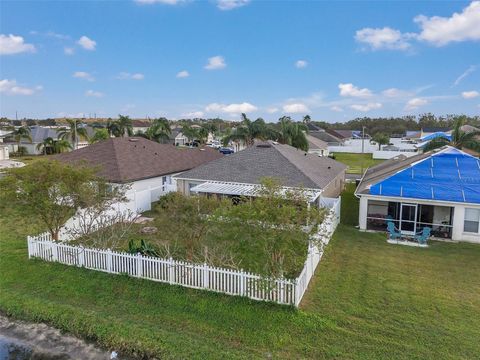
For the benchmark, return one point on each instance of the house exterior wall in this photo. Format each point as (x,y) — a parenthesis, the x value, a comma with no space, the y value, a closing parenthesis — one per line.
(335,187)
(458,214)
(4,154)
(183,185)
(319,152)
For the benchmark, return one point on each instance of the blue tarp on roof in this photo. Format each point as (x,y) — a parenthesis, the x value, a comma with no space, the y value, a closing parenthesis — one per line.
(436,135)
(449,175)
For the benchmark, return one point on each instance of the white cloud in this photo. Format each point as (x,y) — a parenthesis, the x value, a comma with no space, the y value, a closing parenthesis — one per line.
(470,94)
(467,72)
(244,107)
(272,110)
(395,93)
(166,2)
(351,90)
(93,93)
(295,108)
(183,74)
(366,107)
(300,64)
(231,4)
(216,63)
(415,103)
(68,50)
(129,76)
(194,114)
(87,43)
(10,87)
(83,75)
(384,38)
(12,44)
(440,31)
(336,108)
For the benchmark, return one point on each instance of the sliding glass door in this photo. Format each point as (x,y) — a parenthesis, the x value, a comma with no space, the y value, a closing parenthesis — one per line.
(408,217)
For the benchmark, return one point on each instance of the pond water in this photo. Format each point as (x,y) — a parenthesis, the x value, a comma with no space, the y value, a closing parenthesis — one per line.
(21,340)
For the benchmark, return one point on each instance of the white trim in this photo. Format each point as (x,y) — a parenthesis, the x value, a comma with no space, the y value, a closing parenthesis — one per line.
(420,201)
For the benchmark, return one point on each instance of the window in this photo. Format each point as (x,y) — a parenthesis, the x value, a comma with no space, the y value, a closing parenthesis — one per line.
(472,220)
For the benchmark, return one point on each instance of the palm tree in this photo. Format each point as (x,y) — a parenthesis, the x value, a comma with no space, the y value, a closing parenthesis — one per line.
(159,131)
(189,132)
(23,132)
(124,124)
(100,135)
(248,131)
(292,133)
(47,146)
(460,139)
(113,128)
(307,119)
(380,139)
(61,145)
(72,132)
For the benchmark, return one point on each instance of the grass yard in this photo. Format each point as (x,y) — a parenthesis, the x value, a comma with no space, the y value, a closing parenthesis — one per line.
(357,163)
(368,300)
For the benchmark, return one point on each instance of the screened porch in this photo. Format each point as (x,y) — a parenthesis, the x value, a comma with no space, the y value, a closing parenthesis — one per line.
(410,218)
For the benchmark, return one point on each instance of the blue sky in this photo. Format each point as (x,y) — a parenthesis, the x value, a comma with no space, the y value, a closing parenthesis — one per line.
(332,60)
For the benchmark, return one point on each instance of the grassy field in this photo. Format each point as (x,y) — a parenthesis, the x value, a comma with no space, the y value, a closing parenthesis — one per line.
(357,163)
(368,300)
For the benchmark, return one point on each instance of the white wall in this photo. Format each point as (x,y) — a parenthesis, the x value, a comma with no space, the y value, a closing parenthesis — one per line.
(355,146)
(4,154)
(458,215)
(385,155)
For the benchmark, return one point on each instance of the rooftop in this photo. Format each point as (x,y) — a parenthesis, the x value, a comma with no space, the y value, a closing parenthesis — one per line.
(128,159)
(292,167)
(446,174)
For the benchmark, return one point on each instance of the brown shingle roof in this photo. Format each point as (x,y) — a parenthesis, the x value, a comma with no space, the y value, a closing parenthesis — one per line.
(128,159)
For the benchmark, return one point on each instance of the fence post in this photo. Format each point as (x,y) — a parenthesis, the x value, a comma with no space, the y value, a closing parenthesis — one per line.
(54,252)
(206,277)
(109,260)
(81,257)
(171,271)
(139,265)
(242,283)
(296,293)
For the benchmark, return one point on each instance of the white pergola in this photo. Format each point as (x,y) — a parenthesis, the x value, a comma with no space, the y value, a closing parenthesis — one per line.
(249,190)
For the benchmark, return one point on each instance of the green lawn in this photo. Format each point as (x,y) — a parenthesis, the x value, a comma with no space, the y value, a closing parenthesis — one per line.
(368,300)
(357,163)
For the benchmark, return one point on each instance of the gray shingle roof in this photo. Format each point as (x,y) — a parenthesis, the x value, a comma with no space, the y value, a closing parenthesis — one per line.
(291,167)
(39,133)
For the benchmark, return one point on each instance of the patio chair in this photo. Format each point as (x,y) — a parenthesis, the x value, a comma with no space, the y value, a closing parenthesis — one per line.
(392,231)
(423,235)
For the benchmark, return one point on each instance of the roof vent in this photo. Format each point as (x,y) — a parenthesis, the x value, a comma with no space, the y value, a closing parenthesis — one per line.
(264,145)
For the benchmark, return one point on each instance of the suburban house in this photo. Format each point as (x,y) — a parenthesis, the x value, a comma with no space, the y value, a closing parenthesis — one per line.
(439,189)
(319,133)
(140,126)
(317,146)
(38,135)
(145,166)
(241,173)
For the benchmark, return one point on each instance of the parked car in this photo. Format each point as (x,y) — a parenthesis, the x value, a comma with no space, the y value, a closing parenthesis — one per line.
(226,150)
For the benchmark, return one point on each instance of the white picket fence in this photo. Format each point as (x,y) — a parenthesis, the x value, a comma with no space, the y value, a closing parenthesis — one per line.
(198,276)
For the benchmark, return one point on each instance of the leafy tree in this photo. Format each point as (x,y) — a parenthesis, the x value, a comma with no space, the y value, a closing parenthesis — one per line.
(248,131)
(99,135)
(73,132)
(113,128)
(189,132)
(380,139)
(307,119)
(460,138)
(54,191)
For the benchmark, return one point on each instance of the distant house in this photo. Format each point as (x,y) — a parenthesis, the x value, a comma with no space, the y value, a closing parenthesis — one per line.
(140,126)
(322,134)
(145,166)
(317,146)
(439,189)
(38,135)
(241,173)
